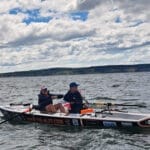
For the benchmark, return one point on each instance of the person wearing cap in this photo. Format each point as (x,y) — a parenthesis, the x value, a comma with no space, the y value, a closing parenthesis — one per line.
(45,101)
(74,97)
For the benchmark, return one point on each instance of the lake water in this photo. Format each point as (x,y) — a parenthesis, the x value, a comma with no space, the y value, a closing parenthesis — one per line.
(133,88)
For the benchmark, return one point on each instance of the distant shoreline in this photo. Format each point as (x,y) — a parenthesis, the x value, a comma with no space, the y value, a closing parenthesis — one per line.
(83,70)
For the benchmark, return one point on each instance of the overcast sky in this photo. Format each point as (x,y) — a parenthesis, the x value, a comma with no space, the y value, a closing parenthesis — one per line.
(36,34)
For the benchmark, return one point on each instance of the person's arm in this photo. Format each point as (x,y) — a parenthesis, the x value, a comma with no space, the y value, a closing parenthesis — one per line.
(67,97)
(56,96)
(79,98)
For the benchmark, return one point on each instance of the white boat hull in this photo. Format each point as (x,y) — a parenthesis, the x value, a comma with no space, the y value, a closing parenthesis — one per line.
(107,119)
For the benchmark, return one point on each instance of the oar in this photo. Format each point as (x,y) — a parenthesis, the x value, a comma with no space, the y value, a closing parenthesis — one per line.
(136,105)
(25,111)
(114,104)
(17,104)
(101,98)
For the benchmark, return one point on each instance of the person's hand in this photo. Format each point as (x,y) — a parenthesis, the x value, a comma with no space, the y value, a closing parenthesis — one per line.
(85,106)
(36,107)
(83,97)
(60,96)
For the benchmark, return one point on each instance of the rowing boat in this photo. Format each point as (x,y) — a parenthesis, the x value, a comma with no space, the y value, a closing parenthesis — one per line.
(110,119)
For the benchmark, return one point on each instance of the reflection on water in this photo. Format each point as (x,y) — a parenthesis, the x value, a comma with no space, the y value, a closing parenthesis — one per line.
(132,88)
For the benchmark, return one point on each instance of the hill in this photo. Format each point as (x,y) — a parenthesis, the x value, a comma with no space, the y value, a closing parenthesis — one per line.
(85,70)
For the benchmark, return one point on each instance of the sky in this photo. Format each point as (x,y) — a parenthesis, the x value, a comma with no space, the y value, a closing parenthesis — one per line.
(37,34)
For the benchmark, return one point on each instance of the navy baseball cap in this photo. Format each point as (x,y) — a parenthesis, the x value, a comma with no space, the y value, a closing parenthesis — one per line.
(73,84)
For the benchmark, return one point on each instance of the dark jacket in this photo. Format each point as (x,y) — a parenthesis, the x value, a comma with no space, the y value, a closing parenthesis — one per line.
(43,101)
(75,100)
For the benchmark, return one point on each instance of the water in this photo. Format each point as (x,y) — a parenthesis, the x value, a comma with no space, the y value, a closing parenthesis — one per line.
(133,88)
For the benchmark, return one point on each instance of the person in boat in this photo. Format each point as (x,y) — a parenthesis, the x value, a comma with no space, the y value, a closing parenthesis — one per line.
(74,97)
(45,102)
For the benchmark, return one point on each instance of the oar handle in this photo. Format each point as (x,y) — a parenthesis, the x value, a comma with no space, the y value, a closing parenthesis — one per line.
(17,104)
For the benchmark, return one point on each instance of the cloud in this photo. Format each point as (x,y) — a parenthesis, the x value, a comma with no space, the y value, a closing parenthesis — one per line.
(135,7)
(39,34)
(87,4)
